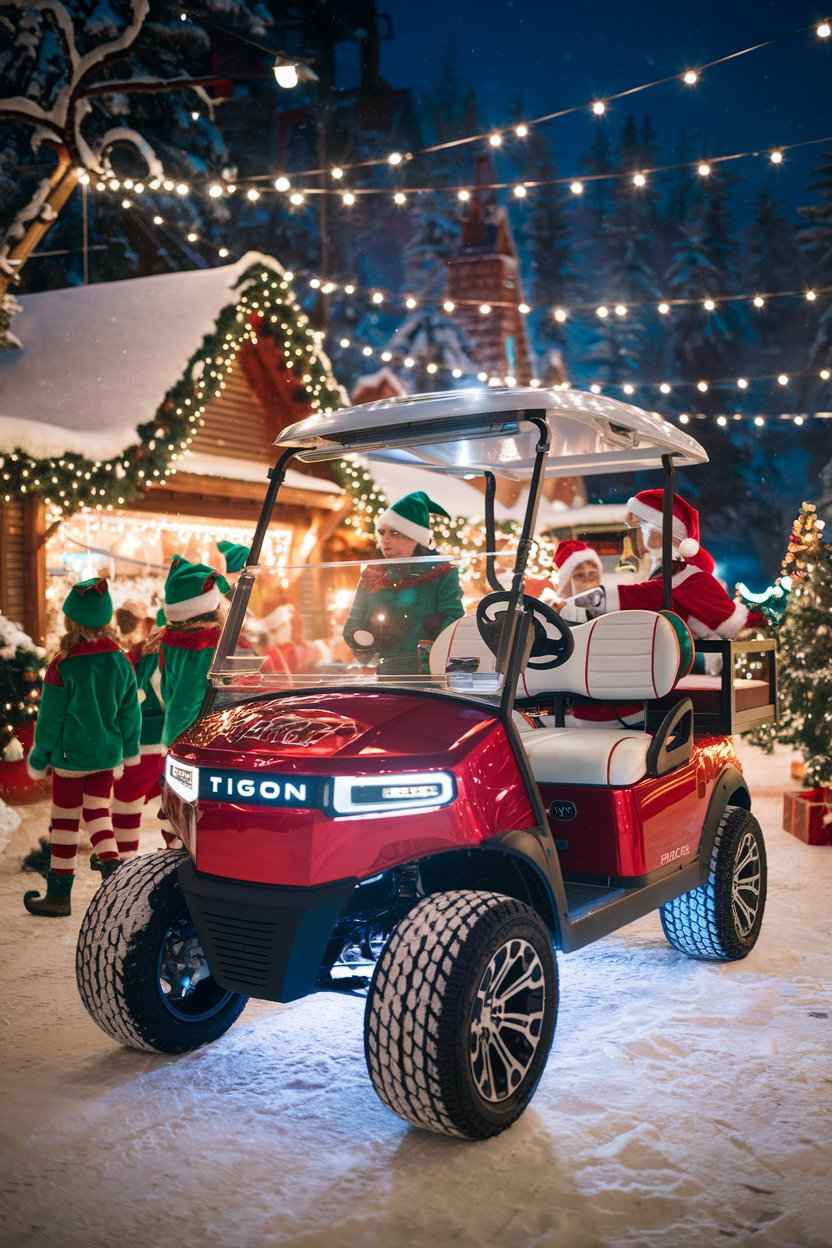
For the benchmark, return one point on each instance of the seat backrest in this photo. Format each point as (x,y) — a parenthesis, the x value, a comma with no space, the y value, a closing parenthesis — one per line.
(623,656)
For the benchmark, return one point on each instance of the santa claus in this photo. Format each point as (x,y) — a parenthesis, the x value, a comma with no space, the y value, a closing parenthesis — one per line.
(696,595)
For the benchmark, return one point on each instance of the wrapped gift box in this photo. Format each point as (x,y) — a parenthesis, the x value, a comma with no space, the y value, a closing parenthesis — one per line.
(804,811)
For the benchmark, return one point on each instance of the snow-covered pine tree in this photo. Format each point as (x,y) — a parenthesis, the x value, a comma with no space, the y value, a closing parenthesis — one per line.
(54,53)
(430,337)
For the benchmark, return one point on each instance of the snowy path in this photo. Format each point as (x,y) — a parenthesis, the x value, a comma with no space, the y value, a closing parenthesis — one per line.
(683,1104)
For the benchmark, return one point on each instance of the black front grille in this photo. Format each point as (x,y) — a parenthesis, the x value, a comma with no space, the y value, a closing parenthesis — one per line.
(263,940)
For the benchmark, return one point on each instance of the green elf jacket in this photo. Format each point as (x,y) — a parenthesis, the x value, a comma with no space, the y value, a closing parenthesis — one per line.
(401,607)
(185,658)
(89,718)
(148,679)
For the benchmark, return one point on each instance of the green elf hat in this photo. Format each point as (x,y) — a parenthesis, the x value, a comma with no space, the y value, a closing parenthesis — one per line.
(191,589)
(89,603)
(411,516)
(236,556)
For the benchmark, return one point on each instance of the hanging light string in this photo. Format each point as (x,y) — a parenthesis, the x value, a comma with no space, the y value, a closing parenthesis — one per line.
(282,185)
(378,296)
(597,106)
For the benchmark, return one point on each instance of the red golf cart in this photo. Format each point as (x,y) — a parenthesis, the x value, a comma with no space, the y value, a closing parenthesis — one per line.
(433,819)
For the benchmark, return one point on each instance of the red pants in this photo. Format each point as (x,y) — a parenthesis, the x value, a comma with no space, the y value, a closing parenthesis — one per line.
(136,787)
(73,796)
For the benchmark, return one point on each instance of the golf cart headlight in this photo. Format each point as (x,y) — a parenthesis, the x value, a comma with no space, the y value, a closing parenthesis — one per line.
(356,795)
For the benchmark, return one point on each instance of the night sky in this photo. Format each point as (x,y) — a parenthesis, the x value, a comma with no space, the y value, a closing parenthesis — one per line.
(554,55)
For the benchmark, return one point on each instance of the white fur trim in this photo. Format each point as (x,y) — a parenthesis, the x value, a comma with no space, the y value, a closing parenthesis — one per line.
(156,684)
(158,748)
(575,559)
(133,761)
(34,773)
(408,528)
(613,601)
(652,516)
(691,570)
(209,601)
(735,622)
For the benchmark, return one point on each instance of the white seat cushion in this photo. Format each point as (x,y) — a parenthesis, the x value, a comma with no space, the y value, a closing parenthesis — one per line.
(608,756)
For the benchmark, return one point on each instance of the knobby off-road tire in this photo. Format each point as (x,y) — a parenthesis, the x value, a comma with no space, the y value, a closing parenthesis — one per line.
(461,1013)
(720,921)
(140,968)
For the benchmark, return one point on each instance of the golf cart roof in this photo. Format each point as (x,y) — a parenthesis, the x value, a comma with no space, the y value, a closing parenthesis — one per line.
(471,431)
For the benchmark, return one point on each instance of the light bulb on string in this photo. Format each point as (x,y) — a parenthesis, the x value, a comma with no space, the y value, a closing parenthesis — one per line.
(621,309)
(602,312)
(702,387)
(282,183)
(485,309)
(742,383)
(449,306)
(337,173)
(709,305)
(395,158)
(410,303)
(758,301)
(823,30)
(252,195)
(523,309)
(495,139)
(663,309)
(521,131)
(576,187)
(297,199)
(782,379)
(776,157)
(690,77)
(400,198)
(811,296)
(665,387)
(703,169)
(560,315)
(463,195)
(348,199)
(599,108)
(639,179)
(520,191)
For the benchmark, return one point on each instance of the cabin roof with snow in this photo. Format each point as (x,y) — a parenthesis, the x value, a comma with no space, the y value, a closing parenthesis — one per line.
(96,361)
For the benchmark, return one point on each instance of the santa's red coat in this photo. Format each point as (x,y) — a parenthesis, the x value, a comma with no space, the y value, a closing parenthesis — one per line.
(696,596)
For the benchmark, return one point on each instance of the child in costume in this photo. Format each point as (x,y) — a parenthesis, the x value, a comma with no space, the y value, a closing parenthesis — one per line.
(186,651)
(398,606)
(140,783)
(87,731)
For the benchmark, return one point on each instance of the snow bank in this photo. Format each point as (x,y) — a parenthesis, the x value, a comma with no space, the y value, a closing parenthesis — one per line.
(9,823)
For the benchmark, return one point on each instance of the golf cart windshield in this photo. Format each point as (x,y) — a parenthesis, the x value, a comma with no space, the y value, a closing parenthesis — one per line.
(360,623)
(375,620)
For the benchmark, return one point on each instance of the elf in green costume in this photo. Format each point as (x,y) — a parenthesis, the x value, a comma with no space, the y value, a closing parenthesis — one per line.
(87,732)
(141,783)
(398,606)
(236,557)
(192,601)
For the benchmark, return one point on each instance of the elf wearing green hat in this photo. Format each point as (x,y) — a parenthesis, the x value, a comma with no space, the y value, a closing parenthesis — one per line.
(87,729)
(192,601)
(398,606)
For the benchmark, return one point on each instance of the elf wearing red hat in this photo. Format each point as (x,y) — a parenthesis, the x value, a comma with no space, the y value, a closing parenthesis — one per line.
(696,594)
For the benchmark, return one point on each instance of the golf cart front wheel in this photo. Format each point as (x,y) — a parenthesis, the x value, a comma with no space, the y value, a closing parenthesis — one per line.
(141,971)
(461,1013)
(720,920)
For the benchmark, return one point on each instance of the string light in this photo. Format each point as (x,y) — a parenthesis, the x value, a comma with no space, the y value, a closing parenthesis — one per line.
(521,131)
(297,198)
(560,315)
(449,306)
(282,184)
(722,421)
(702,387)
(399,198)
(523,309)
(621,309)
(602,312)
(599,108)
(776,157)
(709,305)
(576,187)
(759,421)
(665,387)
(703,169)
(782,379)
(377,297)
(157,220)
(520,191)
(215,190)
(759,301)
(496,139)
(824,30)
(252,194)
(337,173)
(742,383)
(348,198)
(395,158)
(485,309)
(663,308)
(463,195)
(690,77)
(639,179)
(811,296)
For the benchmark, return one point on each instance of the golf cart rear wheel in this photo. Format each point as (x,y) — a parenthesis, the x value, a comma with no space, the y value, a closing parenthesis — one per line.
(461,1013)
(141,971)
(720,921)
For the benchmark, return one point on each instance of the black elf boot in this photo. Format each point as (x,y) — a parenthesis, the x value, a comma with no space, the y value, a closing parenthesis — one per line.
(105,865)
(56,903)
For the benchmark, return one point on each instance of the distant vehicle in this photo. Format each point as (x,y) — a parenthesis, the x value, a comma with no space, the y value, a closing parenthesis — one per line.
(423,822)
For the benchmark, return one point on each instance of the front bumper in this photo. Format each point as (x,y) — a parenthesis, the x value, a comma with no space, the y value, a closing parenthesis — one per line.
(263,940)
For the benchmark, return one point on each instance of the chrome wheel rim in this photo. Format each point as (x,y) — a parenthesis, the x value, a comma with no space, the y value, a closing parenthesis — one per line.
(745,885)
(186,986)
(507,1020)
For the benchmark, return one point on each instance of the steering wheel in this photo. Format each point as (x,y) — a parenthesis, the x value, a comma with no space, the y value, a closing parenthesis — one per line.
(554,650)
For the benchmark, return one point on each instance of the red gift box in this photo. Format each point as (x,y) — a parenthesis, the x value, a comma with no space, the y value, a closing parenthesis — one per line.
(804,811)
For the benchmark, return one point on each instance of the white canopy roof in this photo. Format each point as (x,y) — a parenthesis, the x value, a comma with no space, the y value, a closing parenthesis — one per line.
(478,429)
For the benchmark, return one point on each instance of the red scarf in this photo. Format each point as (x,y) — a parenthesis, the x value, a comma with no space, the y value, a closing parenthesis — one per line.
(375,578)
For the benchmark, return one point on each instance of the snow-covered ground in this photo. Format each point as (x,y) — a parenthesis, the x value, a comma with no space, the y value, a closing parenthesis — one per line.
(683,1104)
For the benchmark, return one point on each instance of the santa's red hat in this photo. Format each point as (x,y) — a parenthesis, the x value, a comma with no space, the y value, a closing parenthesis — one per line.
(647,506)
(569,555)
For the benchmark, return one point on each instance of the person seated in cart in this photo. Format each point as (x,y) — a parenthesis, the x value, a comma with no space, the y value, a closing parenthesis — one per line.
(696,595)
(398,606)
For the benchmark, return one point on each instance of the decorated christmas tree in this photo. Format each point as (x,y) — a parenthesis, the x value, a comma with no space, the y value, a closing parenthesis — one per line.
(805,648)
(21,669)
